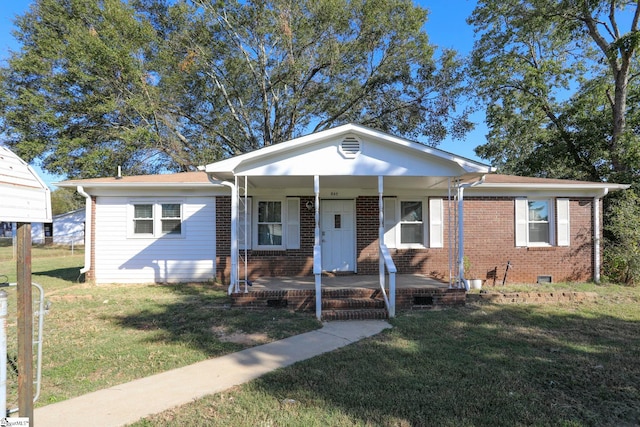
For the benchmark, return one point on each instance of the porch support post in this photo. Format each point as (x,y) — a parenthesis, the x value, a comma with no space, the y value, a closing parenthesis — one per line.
(461,278)
(317,249)
(461,188)
(381,263)
(385,261)
(234,238)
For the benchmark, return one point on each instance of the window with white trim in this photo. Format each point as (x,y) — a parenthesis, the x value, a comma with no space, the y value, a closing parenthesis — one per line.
(143,219)
(538,222)
(171,218)
(270,223)
(542,222)
(156,219)
(411,223)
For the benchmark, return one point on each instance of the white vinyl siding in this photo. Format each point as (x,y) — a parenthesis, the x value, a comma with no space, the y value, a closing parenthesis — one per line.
(121,259)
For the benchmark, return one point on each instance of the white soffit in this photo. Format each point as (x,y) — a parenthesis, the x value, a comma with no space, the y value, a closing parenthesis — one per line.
(24,197)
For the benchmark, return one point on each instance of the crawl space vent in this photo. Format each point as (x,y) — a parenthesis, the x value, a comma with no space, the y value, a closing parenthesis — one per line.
(350,146)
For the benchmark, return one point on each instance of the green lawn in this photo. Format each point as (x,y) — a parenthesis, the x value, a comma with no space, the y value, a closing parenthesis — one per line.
(481,365)
(494,365)
(99,336)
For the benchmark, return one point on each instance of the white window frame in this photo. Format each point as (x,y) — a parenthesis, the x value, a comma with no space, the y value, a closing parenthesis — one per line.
(523,221)
(156,218)
(432,222)
(256,223)
(422,221)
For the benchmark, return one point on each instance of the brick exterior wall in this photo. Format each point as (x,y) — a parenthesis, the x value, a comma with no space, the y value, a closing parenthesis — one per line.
(90,275)
(489,243)
(298,262)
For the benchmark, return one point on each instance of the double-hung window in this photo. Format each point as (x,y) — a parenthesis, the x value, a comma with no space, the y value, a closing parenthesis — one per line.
(156,219)
(270,223)
(171,218)
(411,223)
(538,222)
(542,222)
(143,219)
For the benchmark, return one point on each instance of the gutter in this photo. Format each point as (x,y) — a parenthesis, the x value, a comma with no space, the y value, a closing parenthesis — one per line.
(87,229)
(461,188)
(596,234)
(233,286)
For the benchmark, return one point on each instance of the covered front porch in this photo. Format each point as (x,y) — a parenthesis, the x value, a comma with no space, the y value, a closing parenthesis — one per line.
(347,200)
(346,297)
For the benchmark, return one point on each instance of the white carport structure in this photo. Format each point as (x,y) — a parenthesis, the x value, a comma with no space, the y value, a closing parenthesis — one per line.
(343,163)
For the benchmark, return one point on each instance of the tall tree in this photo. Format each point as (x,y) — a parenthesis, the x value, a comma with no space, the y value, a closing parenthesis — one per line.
(557,77)
(159,84)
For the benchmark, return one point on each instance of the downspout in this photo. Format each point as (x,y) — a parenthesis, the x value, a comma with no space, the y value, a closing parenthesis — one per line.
(88,250)
(461,188)
(233,286)
(596,235)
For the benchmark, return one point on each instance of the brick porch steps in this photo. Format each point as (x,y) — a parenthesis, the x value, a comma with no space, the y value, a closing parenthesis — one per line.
(359,314)
(350,303)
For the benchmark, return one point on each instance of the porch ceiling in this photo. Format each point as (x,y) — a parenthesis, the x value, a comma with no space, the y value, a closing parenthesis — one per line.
(354,182)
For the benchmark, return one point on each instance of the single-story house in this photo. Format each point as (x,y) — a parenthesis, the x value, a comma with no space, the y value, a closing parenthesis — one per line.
(346,200)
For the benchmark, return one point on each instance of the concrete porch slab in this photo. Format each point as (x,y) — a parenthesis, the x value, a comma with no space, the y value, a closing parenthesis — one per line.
(343,281)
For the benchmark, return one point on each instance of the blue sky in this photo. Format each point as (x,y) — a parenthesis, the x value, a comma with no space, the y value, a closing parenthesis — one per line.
(446,28)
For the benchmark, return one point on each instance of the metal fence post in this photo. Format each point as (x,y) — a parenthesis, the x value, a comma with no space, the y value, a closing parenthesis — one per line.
(3,354)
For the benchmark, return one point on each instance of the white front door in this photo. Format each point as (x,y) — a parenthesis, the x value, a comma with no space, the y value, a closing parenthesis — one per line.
(337,226)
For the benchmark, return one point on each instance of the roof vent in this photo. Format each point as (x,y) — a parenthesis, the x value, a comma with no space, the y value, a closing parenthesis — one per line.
(350,146)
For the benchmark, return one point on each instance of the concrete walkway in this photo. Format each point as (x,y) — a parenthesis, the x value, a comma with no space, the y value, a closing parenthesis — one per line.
(129,402)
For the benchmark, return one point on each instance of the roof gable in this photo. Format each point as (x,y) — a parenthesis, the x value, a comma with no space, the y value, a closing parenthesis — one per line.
(346,150)
(29,195)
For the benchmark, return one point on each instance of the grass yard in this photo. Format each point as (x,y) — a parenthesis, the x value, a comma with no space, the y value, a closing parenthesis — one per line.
(481,365)
(99,336)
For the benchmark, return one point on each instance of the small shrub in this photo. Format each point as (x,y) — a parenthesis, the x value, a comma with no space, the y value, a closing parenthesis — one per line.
(621,259)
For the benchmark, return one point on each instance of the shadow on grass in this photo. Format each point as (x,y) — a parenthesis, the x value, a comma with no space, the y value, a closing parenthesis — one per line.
(202,314)
(488,366)
(69,274)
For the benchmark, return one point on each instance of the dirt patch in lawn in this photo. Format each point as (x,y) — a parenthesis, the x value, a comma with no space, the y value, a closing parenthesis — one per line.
(240,337)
